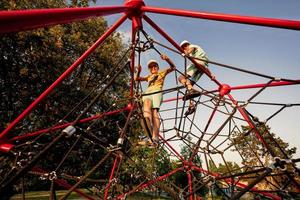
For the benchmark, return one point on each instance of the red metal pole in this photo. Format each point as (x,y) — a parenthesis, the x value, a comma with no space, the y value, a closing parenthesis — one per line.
(19,20)
(135,27)
(176,153)
(252,86)
(190,185)
(273,84)
(259,21)
(36,133)
(111,177)
(165,35)
(63,76)
(261,85)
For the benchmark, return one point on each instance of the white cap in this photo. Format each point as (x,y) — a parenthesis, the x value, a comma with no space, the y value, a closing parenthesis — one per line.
(152,61)
(184,42)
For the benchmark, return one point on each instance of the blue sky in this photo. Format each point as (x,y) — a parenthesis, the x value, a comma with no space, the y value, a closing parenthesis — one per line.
(270,51)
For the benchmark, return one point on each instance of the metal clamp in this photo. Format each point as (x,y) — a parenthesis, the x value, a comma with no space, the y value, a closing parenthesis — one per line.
(69,131)
(52,175)
(112,148)
(281,163)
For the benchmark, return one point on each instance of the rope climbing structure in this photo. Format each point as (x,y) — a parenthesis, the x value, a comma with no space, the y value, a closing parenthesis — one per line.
(215,161)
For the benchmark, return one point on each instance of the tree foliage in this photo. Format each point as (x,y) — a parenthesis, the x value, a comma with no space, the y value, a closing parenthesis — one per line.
(255,154)
(33,60)
(252,149)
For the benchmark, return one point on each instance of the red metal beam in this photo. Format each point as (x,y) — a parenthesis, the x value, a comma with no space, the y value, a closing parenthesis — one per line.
(111,177)
(259,21)
(135,27)
(188,173)
(20,20)
(63,76)
(54,128)
(261,85)
(174,151)
(251,86)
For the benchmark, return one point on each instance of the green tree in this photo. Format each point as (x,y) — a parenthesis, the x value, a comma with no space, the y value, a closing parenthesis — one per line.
(187,150)
(255,154)
(32,60)
(224,169)
(252,149)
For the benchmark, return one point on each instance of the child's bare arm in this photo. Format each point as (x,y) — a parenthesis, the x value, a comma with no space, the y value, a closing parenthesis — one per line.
(138,78)
(172,65)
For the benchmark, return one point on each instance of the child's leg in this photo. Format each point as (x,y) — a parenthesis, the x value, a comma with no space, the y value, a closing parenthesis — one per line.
(156,125)
(185,82)
(148,109)
(146,122)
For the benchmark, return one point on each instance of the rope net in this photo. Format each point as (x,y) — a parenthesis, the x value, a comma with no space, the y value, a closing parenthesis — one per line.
(222,150)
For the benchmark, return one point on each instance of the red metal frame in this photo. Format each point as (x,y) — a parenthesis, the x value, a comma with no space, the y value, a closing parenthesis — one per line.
(111,177)
(20,20)
(58,127)
(188,173)
(273,84)
(170,146)
(259,21)
(134,9)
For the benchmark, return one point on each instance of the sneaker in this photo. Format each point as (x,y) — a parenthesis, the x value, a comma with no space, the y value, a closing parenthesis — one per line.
(153,144)
(191,110)
(156,139)
(191,94)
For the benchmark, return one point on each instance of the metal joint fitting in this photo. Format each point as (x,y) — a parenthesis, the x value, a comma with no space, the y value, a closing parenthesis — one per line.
(52,176)
(69,131)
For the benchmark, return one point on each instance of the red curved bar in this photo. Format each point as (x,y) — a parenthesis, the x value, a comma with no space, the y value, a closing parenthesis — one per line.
(259,21)
(20,20)
(61,126)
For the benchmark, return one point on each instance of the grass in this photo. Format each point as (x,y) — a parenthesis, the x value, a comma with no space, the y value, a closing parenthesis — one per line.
(44,195)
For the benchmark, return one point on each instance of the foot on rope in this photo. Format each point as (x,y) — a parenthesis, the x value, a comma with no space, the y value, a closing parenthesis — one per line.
(145,143)
(191,94)
(191,110)
(155,141)
(146,125)
(148,143)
